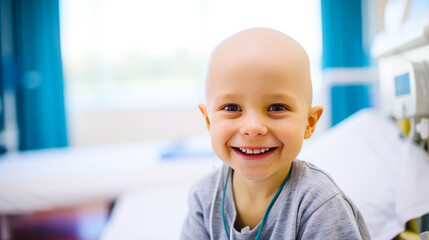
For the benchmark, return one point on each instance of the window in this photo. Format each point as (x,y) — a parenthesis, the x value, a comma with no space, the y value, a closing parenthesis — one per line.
(129,51)
(151,54)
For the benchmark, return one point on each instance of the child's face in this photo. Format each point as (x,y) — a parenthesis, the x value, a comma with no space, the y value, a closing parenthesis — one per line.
(257,111)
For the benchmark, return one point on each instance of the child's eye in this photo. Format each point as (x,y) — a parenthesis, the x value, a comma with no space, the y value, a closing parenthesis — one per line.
(231,108)
(277,107)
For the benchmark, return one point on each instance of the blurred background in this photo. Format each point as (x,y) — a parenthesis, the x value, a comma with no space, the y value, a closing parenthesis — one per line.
(98,99)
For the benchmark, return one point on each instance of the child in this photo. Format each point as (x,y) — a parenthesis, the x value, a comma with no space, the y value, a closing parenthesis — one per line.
(258,111)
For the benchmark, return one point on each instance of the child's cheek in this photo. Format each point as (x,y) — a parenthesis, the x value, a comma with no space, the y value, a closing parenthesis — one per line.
(220,135)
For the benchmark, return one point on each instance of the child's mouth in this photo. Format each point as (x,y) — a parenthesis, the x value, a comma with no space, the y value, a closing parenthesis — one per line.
(253,151)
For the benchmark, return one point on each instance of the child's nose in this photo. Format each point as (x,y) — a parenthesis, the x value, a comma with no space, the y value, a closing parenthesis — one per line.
(253,126)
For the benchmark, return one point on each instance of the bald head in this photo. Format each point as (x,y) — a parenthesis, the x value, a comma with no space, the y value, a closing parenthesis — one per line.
(262,51)
(258,94)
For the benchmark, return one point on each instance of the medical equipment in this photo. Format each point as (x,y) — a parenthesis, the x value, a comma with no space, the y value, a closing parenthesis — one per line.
(411,90)
(404,85)
(411,98)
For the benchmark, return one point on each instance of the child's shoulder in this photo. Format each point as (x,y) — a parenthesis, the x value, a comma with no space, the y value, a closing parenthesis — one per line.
(318,205)
(312,182)
(308,174)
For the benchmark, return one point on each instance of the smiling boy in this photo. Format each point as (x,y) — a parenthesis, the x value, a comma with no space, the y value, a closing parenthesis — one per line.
(258,112)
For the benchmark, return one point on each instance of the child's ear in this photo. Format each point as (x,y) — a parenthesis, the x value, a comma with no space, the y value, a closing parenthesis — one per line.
(203,109)
(313,116)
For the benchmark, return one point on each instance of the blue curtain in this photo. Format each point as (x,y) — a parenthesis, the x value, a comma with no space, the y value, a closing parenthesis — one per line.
(343,47)
(2,117)
(34,71)
(342,34)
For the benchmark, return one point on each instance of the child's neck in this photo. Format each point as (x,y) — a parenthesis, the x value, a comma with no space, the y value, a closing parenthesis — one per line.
(252,197)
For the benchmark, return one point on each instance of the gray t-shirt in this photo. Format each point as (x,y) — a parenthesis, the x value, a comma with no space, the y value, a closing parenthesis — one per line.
(310,206)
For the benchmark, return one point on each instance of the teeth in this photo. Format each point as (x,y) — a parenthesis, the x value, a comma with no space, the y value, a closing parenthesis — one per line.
(254,151)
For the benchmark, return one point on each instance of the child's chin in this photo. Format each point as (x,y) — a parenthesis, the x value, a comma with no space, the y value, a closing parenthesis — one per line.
(253,174)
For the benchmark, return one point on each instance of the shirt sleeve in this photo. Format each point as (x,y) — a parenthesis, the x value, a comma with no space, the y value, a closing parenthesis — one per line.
(193,227)
(334,219)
